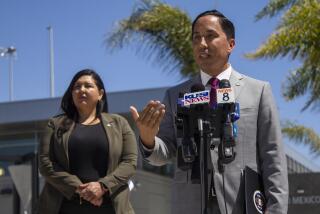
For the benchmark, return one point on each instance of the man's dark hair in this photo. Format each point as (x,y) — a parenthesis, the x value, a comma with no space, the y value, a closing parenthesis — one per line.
(226,25)
(67,104)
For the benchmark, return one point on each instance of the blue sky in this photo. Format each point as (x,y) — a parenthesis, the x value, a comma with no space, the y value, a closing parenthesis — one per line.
(80,27)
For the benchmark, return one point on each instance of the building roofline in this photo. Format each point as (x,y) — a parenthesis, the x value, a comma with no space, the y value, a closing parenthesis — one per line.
(44,108)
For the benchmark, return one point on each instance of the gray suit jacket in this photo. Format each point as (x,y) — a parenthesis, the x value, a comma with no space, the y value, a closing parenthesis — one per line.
(258,145)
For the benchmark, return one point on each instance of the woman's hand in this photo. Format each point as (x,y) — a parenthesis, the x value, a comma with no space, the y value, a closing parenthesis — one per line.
(97,202)
(92,192)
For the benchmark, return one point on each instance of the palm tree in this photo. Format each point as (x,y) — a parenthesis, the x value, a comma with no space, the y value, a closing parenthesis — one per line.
(297,36)
(162,32)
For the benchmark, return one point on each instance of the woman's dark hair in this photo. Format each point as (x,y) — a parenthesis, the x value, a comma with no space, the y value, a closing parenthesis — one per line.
(226,25)
(67,104)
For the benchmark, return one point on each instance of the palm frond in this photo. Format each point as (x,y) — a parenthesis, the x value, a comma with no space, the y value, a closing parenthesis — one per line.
(299,82)
(274,7)
(298,34)
(303,135)
(161,32)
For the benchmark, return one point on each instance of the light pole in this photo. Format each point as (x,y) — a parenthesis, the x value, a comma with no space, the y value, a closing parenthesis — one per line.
(11,52)
(51,61)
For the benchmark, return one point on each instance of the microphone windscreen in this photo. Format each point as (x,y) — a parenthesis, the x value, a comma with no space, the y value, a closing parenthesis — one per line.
(197,87)
(224,83)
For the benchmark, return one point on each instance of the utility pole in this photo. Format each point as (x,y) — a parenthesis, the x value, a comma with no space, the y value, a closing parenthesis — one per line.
(49,28)
(11,52)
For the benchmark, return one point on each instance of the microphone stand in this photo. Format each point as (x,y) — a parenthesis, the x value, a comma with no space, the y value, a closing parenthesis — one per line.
(205,136)
(205,123)
(203,168)
(225,150)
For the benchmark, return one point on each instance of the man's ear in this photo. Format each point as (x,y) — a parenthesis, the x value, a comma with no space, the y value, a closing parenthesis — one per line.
(232,44)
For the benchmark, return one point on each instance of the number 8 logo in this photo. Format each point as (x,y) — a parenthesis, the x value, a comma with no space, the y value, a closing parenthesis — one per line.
(225,97)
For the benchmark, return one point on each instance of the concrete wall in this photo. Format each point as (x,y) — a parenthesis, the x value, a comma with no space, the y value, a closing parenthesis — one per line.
(152,193)
(6,199)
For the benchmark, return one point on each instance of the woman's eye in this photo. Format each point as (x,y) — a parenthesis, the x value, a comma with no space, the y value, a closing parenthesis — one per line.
(76,87)
(89,86)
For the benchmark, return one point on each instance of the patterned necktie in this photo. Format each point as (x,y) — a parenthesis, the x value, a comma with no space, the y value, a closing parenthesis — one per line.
(214,83)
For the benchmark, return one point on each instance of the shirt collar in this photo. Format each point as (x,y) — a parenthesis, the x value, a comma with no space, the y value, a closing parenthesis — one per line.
(223,75)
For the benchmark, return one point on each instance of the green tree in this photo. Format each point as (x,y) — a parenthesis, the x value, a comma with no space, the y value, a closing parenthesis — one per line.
(159,31)
(297,36)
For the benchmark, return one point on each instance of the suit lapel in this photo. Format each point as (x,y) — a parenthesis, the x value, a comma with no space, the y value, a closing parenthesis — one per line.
(65,139)
(108,126)
(236,81)
(107,122)
(194,80)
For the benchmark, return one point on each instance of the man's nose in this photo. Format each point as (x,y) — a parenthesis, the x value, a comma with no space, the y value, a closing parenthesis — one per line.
(203,42)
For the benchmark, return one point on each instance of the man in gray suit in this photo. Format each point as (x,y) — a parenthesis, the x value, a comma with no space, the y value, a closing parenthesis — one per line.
(259,141)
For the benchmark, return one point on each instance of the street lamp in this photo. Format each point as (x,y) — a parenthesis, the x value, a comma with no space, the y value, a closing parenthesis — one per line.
(11,52)
(2,52)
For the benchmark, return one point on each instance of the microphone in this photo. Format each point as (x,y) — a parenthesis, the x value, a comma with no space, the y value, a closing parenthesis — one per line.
(226,101)
(225,93)
(189,106)
(198,95)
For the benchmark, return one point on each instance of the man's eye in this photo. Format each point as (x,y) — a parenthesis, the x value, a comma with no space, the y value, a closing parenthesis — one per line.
(196,38)
(209,36)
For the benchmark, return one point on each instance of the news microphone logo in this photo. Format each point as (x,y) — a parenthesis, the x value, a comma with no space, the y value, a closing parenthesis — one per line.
(225,95)
(198,97)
